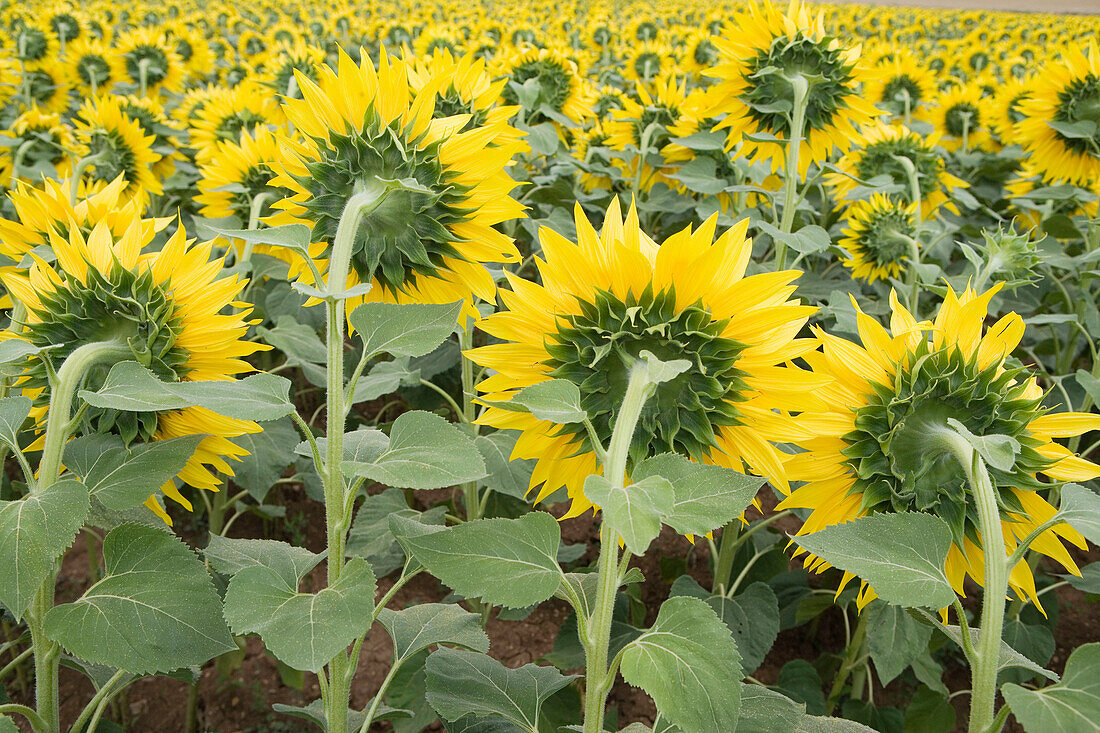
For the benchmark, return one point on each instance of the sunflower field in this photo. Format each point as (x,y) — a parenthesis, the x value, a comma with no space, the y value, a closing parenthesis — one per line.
(586,365)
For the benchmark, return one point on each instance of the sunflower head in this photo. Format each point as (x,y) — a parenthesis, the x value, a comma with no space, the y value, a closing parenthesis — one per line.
(879,236)
(877,152)
(759,65)
(89,66)
(145,55)
(40,142)
(170,310)
(610,296)
(119,147)
(363,126)
(1061,125)
(554,78)
(871,452)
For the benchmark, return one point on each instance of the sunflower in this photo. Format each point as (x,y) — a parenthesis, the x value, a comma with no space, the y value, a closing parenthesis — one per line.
(229,113)
(646,123)
(878,237)
(32,44)
(867,453)
(963,118)
(148,49)
(40,210)
(462,86)
(589,150)
(611,295)
(648,62)
(558,82)
(149,114)
(1006,109)
(360,125)
(120,148)
(45,87)
(758,63)
(1061,125)
(168,306)
(700,53)
(89,68)
(286,58)
(903,87)
(237,174)
(192,48)
(37,139)
(876,153)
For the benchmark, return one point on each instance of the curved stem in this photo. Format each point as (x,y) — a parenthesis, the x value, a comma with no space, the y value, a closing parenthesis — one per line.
(851,654)
(38,725)
(800,88)
(81,166)
(987,653)
(101,698)
(597,639)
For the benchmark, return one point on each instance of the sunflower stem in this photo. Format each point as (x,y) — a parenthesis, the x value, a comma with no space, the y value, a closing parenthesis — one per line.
(470,498)
(81,166)
(17,161)
(800,89)
(723,564)
(143,76)
(47,653)
(852,653)
(597,639)
(987,652)
(337,513)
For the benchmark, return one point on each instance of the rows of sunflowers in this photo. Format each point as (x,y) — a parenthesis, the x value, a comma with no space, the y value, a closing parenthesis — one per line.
(743,357)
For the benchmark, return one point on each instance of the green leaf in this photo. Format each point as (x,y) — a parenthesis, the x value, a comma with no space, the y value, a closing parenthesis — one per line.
(16,351)
(7,725)
(1008,656)
(229,556)
(1090,384)
(464,683)
(556,400)
(705,497)
(13,413)
(821,724)
(299,343)
(385,378)
(413,329)
(505,562)
(1080,129)
(698,175)
(155,610)
(315,713)
(1089,580)
(659,372)
(295,237)
(1081,508)
(34,532)
(689,664)
(999,451)
(635,511)
(767,711)
(505,476)
(752,617)
(800,681)
(370,536)
(895,639)
(807,240)
(270,452)
(419,627)
(928,712)
(901,555)
(133,388)
(303,630)
(425,452)
(1071,705)
(122,478)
